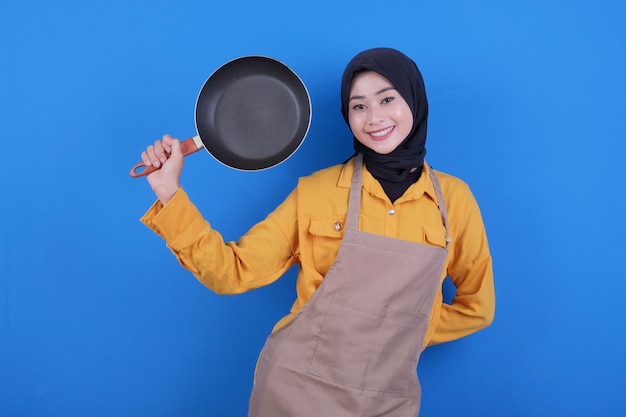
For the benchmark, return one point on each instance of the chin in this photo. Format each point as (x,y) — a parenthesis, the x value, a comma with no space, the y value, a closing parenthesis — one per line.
(381,151)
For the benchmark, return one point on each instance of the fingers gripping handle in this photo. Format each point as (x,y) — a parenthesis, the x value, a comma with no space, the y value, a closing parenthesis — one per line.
(187,147)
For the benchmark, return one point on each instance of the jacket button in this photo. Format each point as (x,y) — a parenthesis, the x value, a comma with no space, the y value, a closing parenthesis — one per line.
(338,226)
(392,212)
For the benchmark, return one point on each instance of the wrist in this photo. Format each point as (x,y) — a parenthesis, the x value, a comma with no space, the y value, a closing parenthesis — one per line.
(166,192)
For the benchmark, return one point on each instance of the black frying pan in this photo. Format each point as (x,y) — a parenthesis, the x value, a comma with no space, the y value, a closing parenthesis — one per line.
(252,113)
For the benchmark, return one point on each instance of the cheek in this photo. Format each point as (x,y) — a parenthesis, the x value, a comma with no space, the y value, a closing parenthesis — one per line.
(353,122)
(405,117)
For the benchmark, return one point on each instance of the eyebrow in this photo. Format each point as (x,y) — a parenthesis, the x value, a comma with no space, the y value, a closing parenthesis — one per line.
(377,93)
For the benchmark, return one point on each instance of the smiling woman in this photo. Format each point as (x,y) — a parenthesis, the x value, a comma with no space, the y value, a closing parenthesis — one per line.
(354,347)
(379,117)
(526,103)
(395,167)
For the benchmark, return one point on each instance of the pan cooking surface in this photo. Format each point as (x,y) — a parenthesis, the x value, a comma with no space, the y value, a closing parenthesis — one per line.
(252,113)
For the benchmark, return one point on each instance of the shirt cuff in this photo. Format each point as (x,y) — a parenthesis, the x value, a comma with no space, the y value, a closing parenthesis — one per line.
(178,222)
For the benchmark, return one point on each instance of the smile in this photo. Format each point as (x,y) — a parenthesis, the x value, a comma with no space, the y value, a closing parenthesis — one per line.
(381,133)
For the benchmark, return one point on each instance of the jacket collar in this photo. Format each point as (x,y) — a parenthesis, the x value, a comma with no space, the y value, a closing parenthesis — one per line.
(423,186)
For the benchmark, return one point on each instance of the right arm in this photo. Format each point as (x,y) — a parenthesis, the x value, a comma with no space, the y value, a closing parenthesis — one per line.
(260,257)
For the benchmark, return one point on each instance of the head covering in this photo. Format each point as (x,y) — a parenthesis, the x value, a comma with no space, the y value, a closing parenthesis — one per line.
(406,161)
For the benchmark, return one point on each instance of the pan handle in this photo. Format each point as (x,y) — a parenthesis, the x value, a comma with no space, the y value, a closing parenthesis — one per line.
(187,146)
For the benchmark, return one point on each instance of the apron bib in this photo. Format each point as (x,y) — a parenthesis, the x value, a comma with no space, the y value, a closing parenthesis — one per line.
(353,348)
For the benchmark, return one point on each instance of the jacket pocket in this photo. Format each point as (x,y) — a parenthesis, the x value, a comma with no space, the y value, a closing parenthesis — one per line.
(327,235)
(434,235)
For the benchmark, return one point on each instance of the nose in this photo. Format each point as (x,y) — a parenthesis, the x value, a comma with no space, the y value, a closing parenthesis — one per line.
(374,115)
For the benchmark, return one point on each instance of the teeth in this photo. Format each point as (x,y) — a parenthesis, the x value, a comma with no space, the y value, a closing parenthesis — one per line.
(381,133)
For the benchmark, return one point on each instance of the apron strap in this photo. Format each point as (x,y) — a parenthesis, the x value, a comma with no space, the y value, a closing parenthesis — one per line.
(441,203)
(354,203)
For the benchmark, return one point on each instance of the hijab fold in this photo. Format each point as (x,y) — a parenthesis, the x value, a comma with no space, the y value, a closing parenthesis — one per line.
(403,164)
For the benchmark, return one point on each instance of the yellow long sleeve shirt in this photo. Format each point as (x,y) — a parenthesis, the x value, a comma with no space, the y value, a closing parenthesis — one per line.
(307,228)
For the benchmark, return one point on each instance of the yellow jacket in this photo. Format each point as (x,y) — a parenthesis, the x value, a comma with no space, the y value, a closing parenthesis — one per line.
(306,229)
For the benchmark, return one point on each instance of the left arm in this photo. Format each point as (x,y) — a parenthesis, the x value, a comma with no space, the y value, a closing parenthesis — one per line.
(470,269)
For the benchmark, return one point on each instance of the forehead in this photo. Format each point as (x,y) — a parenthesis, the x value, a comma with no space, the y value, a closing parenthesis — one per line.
(368,83)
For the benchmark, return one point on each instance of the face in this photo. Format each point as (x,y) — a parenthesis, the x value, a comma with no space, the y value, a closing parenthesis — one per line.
(378,115)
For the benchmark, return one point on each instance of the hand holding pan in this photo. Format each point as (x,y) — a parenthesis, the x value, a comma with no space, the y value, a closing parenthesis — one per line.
(252,113)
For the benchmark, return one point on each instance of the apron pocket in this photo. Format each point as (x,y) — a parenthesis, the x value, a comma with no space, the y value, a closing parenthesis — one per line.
(369,347)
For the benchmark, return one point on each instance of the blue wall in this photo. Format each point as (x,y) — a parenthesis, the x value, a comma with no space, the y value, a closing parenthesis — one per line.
(96,317)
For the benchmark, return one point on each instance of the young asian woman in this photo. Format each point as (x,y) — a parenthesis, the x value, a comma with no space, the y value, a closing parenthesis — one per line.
(373,239)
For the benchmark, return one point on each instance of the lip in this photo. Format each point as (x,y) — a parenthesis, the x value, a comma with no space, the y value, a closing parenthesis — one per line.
(381,134)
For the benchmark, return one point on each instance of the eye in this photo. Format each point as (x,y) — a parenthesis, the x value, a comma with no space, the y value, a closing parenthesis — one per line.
(358,107)
(387,100)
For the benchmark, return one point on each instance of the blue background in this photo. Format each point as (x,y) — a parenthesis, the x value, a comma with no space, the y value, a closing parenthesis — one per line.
(528,105)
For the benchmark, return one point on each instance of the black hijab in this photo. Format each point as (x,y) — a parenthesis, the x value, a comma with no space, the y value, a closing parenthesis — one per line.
(400,168)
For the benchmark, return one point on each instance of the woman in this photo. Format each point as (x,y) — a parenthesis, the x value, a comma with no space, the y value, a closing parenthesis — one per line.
(374,238)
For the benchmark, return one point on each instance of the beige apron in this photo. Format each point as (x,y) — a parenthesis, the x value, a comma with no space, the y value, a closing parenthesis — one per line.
(353,349)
